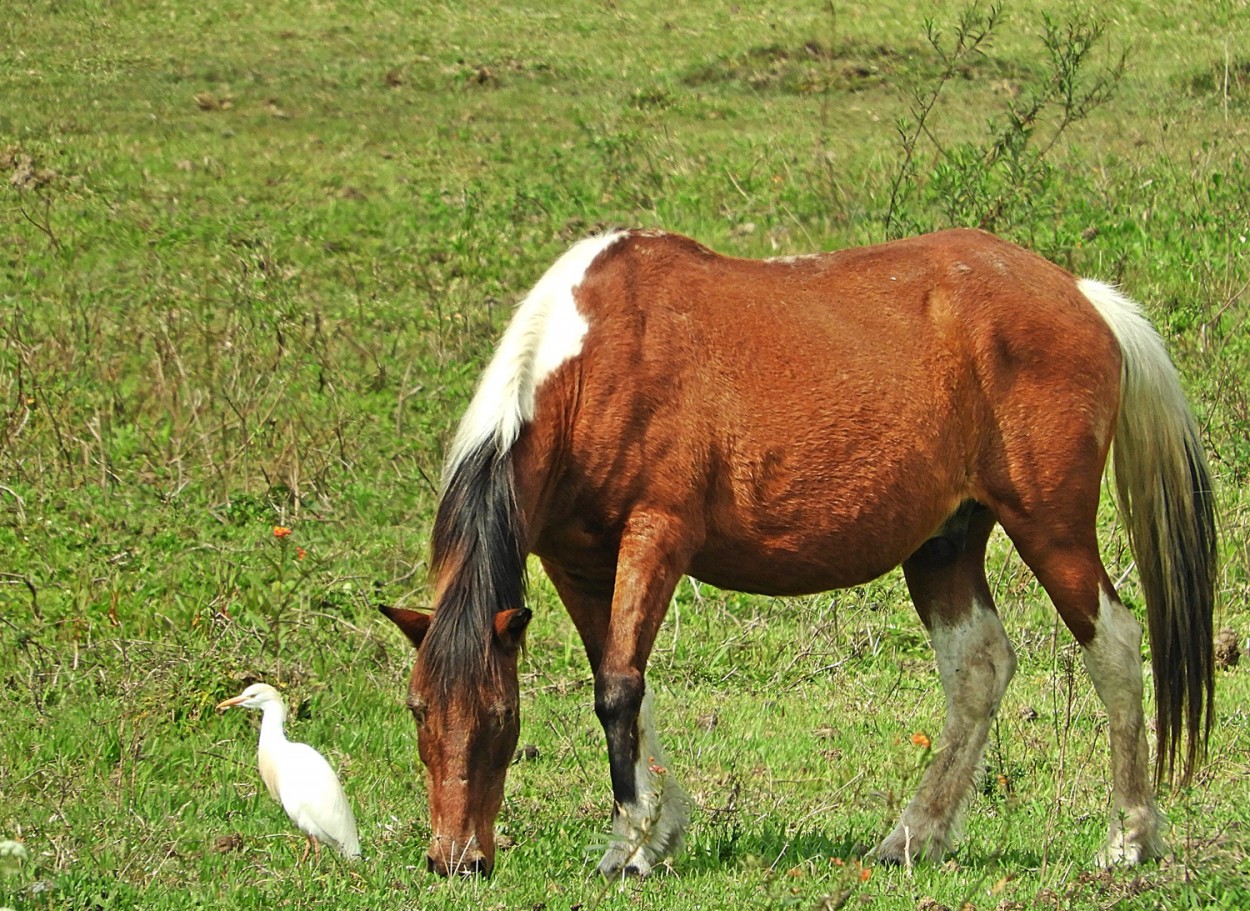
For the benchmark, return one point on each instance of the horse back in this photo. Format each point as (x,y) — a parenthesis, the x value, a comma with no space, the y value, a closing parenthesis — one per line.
(783,408)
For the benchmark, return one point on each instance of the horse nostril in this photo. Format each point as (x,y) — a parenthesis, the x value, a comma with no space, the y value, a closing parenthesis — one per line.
(446,858)
(476,867)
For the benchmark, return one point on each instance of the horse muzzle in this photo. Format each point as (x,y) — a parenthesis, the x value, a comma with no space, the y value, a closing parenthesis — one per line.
(448,858)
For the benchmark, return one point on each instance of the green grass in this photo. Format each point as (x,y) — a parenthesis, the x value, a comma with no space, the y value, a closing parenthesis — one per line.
(250,266)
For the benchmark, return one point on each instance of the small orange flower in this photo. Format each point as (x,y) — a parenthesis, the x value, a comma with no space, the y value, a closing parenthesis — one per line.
(300,553)
(921,740)
(839,862)
(865,874)
(281,531)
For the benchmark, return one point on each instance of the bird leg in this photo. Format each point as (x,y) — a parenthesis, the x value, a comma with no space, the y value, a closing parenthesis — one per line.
(313,845)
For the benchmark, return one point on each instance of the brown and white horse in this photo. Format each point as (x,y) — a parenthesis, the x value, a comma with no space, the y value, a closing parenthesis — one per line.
(794,425)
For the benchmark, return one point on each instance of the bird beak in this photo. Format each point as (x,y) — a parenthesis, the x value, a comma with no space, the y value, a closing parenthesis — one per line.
(229,703)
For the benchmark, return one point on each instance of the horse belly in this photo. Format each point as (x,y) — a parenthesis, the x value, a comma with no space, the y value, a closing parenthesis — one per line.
(802,559)
(831,508)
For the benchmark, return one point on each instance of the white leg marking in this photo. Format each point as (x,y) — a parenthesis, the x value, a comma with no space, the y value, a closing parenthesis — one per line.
(650,829)
(1113,660)
(976,662)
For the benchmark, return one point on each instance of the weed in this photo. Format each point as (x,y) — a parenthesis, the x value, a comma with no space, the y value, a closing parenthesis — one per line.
(1004,183)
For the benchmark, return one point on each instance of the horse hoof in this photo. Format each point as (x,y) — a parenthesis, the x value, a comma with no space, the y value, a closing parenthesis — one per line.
(1130,845)
(617,863)
(899,850)
(1128,854)
(638,868)
(1118,856)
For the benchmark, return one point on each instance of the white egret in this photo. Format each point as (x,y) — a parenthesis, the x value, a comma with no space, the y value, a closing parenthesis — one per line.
(299,777)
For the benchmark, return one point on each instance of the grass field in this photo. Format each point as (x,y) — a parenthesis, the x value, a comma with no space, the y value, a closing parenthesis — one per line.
(252,258)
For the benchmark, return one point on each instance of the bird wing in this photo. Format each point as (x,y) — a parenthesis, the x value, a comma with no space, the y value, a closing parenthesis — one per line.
(312,796)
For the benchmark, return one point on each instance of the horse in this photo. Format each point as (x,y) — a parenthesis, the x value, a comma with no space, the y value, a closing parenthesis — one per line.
(794,425)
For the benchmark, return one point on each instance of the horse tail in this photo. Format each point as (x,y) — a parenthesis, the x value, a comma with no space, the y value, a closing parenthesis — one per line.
(480,538)
(1165,495)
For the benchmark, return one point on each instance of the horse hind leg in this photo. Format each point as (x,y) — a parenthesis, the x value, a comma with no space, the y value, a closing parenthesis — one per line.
(1113,660)
(1068,567)
(946,578)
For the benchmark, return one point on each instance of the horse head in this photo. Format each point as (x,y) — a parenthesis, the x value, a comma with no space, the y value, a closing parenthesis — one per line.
(467,732)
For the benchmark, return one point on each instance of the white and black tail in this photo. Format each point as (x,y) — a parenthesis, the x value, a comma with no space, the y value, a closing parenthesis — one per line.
(1164,491)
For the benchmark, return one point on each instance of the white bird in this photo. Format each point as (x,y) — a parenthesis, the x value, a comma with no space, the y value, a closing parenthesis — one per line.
(299,777)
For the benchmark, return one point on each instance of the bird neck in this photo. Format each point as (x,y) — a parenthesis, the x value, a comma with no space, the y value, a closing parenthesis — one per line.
(272,718)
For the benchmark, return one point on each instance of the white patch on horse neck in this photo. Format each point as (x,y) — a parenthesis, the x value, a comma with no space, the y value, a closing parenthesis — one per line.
(546,331)
(1113,659)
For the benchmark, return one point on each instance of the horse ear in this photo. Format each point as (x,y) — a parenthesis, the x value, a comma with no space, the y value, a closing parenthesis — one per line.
(510,627)
(411,623)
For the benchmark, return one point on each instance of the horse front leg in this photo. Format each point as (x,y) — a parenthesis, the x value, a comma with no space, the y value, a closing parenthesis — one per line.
(650,811)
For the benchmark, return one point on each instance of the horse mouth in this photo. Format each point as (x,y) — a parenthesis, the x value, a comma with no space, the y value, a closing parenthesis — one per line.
(468,862)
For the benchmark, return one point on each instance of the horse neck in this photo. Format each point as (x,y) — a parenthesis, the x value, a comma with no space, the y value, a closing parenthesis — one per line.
(478,556)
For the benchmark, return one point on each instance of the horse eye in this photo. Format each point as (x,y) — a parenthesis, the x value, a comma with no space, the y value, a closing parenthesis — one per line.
(417,707)
(502,715)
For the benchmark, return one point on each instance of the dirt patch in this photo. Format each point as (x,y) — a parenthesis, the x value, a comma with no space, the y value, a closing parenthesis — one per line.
(814,67)
(811,67)
(1224,79)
